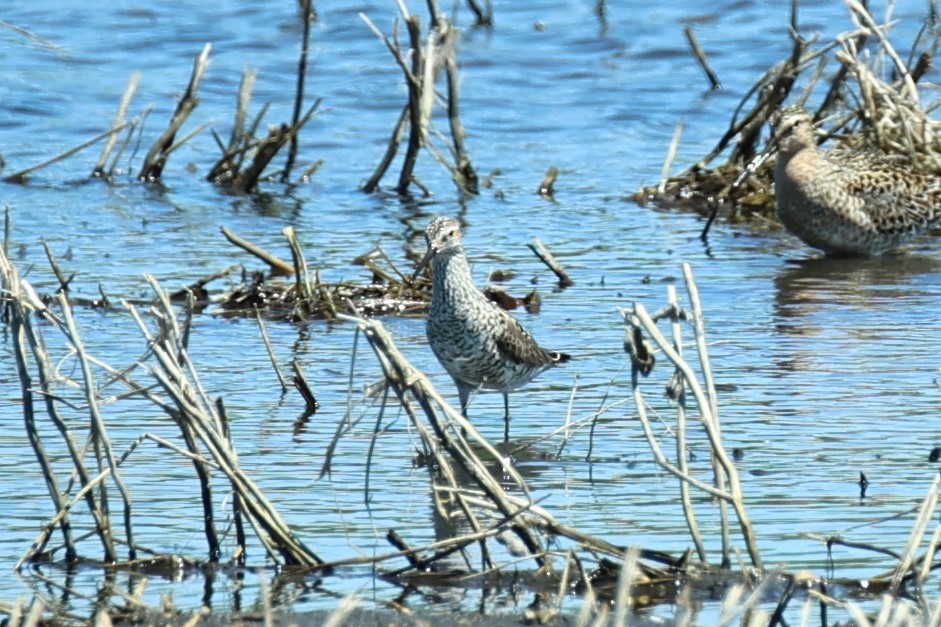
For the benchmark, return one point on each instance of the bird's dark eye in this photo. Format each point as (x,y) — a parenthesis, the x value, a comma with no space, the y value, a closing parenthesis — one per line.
(451,233)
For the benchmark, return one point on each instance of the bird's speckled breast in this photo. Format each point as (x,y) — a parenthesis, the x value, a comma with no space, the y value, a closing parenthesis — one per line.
(463,326)
(816,205)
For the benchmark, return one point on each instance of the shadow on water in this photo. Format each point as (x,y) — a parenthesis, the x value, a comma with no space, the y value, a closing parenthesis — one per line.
(809,285)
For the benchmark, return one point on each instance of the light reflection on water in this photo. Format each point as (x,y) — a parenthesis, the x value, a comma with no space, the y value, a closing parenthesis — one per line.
(825,367)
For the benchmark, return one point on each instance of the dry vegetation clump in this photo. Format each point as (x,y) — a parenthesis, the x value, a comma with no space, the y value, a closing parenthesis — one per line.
(871,100)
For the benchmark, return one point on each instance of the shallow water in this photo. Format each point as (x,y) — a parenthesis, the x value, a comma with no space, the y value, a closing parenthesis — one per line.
(826,368)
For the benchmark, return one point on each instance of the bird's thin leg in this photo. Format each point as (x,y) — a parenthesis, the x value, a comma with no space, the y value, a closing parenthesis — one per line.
(463,392)
(506,417)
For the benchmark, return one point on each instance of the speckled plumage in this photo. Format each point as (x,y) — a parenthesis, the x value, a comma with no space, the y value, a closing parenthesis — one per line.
(479,344)
(848,202)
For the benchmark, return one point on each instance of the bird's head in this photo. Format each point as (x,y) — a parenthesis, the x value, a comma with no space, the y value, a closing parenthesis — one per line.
(792,130)
(444,237)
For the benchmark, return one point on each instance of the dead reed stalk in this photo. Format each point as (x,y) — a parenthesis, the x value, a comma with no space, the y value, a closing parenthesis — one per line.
(307,16)
(459,460)
(727,487)
(95,466)
(159,152)
(100,170)
(421,75)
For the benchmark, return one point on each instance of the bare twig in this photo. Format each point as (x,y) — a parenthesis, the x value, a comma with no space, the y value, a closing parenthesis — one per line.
(540,250)
(99,171)
(701,58)
(279,267)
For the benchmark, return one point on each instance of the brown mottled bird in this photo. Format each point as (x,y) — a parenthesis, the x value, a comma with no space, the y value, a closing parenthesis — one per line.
(480,345)
(848,202)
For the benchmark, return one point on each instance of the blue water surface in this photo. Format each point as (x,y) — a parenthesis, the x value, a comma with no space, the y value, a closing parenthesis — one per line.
(825,368)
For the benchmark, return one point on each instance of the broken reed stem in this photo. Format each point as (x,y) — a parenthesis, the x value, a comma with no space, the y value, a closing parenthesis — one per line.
(19,331)
(658,454)
(307,16)
(136,123)
(56,270)
(540,250)
(278,267)
(927,561)
(622,599)
(408,382)
(416,131)
(925,513)
(428,75)
(60,518)
(191,409)
(867,20)
(483,16)
(706,401)
(98,431)
(156,157)
(247,179)
(443,468)
(372,184)
(464,175)
(228,165)
(99,170)
(421,75)
(681,450)
(300,382)
(238,511)
(205,491)
(670,157)
(715,440)
(243,101)
(302,282)
(701,58)
(548,181)
(720,469)
(23,301)
(177,376)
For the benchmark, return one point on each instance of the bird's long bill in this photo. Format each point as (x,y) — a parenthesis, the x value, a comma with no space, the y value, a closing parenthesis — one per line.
(421,264)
